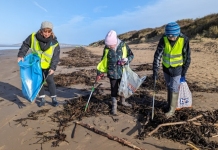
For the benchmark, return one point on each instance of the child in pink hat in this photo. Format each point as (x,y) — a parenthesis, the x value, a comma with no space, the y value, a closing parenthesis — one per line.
(116,54)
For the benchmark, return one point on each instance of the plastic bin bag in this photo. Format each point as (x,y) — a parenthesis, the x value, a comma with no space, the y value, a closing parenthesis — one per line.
(185,96)
(130,82)
(31,76)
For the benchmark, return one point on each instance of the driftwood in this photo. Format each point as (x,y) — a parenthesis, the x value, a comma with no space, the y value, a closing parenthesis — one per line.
(174,123)
(115,138)
(192,146)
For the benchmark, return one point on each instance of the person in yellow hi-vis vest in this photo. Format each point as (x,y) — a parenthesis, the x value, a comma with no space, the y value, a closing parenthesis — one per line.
(174,49)
(116,53)
(44,44)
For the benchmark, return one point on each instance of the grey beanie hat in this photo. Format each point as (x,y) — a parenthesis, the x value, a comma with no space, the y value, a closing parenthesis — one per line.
(46,24)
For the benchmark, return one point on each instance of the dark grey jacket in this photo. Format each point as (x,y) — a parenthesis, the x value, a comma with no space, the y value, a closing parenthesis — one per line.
(173,71)
(56,55)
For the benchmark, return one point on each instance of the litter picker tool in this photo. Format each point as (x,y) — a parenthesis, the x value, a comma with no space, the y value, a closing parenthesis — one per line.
(41,85)
(93,88)
(152,115)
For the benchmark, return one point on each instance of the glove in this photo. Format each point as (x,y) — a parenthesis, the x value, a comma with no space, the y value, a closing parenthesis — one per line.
(182,79)
(99,77)
(155,76)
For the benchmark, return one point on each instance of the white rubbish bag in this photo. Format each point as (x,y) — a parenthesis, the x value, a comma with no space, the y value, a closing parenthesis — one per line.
(130,82)
(185,96)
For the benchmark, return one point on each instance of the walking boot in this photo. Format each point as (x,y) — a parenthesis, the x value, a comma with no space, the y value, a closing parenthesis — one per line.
(124,103)
(114,106)
(42,101)
(54,102)
(173,104)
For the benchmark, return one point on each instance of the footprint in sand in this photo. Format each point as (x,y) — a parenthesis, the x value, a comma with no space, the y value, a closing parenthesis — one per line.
(2,147)
(107,128)
(83,143)
(25,132)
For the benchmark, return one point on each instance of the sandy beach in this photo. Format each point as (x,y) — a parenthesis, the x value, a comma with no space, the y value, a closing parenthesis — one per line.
(202,75)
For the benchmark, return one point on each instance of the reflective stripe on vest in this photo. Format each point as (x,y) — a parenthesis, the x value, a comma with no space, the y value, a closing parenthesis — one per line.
(45,56)
(172,56)
(103,65)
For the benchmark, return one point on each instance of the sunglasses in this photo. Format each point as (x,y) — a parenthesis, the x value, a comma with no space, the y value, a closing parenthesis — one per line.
(46,30)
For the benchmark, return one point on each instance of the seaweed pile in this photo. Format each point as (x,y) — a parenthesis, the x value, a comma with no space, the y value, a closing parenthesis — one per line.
(79,57)
(186,126)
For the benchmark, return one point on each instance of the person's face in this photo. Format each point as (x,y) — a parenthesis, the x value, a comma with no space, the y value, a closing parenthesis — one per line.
(112,46)
(46,33)
(172,38)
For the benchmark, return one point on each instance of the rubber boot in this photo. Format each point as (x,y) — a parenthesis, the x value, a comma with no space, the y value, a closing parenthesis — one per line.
(169,97)
(124,103)
(173,104)
(42,103)
(54,102)
(114,106)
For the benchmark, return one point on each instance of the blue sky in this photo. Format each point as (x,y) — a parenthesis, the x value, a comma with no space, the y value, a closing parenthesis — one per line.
(83,21)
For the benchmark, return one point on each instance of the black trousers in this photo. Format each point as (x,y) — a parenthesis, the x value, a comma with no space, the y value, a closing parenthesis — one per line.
(50,82)
(114,86)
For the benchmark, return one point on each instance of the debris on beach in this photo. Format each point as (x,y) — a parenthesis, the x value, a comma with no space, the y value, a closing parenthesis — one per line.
(31,116)
(187,126)
(79,57)
(83,76)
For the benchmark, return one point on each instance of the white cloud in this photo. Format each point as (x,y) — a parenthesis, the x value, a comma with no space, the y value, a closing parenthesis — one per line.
(99,9)
(40,6)
(138,7)
(83,30)
(151,16)
(72,22)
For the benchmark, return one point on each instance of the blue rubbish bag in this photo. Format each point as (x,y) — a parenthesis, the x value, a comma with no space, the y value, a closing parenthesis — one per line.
(31,76)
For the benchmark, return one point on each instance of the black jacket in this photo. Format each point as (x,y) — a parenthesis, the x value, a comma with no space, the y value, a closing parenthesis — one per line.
(56,55)
(173,71)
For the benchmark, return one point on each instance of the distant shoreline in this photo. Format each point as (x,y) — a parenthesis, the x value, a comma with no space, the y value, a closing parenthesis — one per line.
(9,48)
(6,48)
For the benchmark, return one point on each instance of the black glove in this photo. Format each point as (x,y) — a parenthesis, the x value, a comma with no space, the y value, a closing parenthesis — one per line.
(155,76)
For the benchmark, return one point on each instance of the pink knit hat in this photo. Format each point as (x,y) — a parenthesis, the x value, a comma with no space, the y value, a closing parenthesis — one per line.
(111,38)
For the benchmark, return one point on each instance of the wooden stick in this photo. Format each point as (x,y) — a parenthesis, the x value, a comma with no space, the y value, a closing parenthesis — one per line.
(174,123)
(192,146)
(214,136)
(115,138)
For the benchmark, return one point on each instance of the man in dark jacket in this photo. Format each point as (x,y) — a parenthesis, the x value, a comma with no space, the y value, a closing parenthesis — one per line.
(174,50)
(116,54)
(45,45)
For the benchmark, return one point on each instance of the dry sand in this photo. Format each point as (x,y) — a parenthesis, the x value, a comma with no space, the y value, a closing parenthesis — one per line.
(13,105)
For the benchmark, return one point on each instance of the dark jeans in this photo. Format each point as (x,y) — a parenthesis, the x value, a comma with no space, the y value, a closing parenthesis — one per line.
(114,86)
(50,82)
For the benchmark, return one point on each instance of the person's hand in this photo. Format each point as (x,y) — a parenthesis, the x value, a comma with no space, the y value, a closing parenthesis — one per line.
(19,59)
(124,61)
(99,77)
(154,76)
(182,79)
(51,71)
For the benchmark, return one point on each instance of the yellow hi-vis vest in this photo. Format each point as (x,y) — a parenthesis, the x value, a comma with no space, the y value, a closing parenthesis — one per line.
(45,56)
(172,56)
(103,65)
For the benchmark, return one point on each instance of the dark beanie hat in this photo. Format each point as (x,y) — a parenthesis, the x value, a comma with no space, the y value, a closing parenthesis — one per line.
(172,29)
